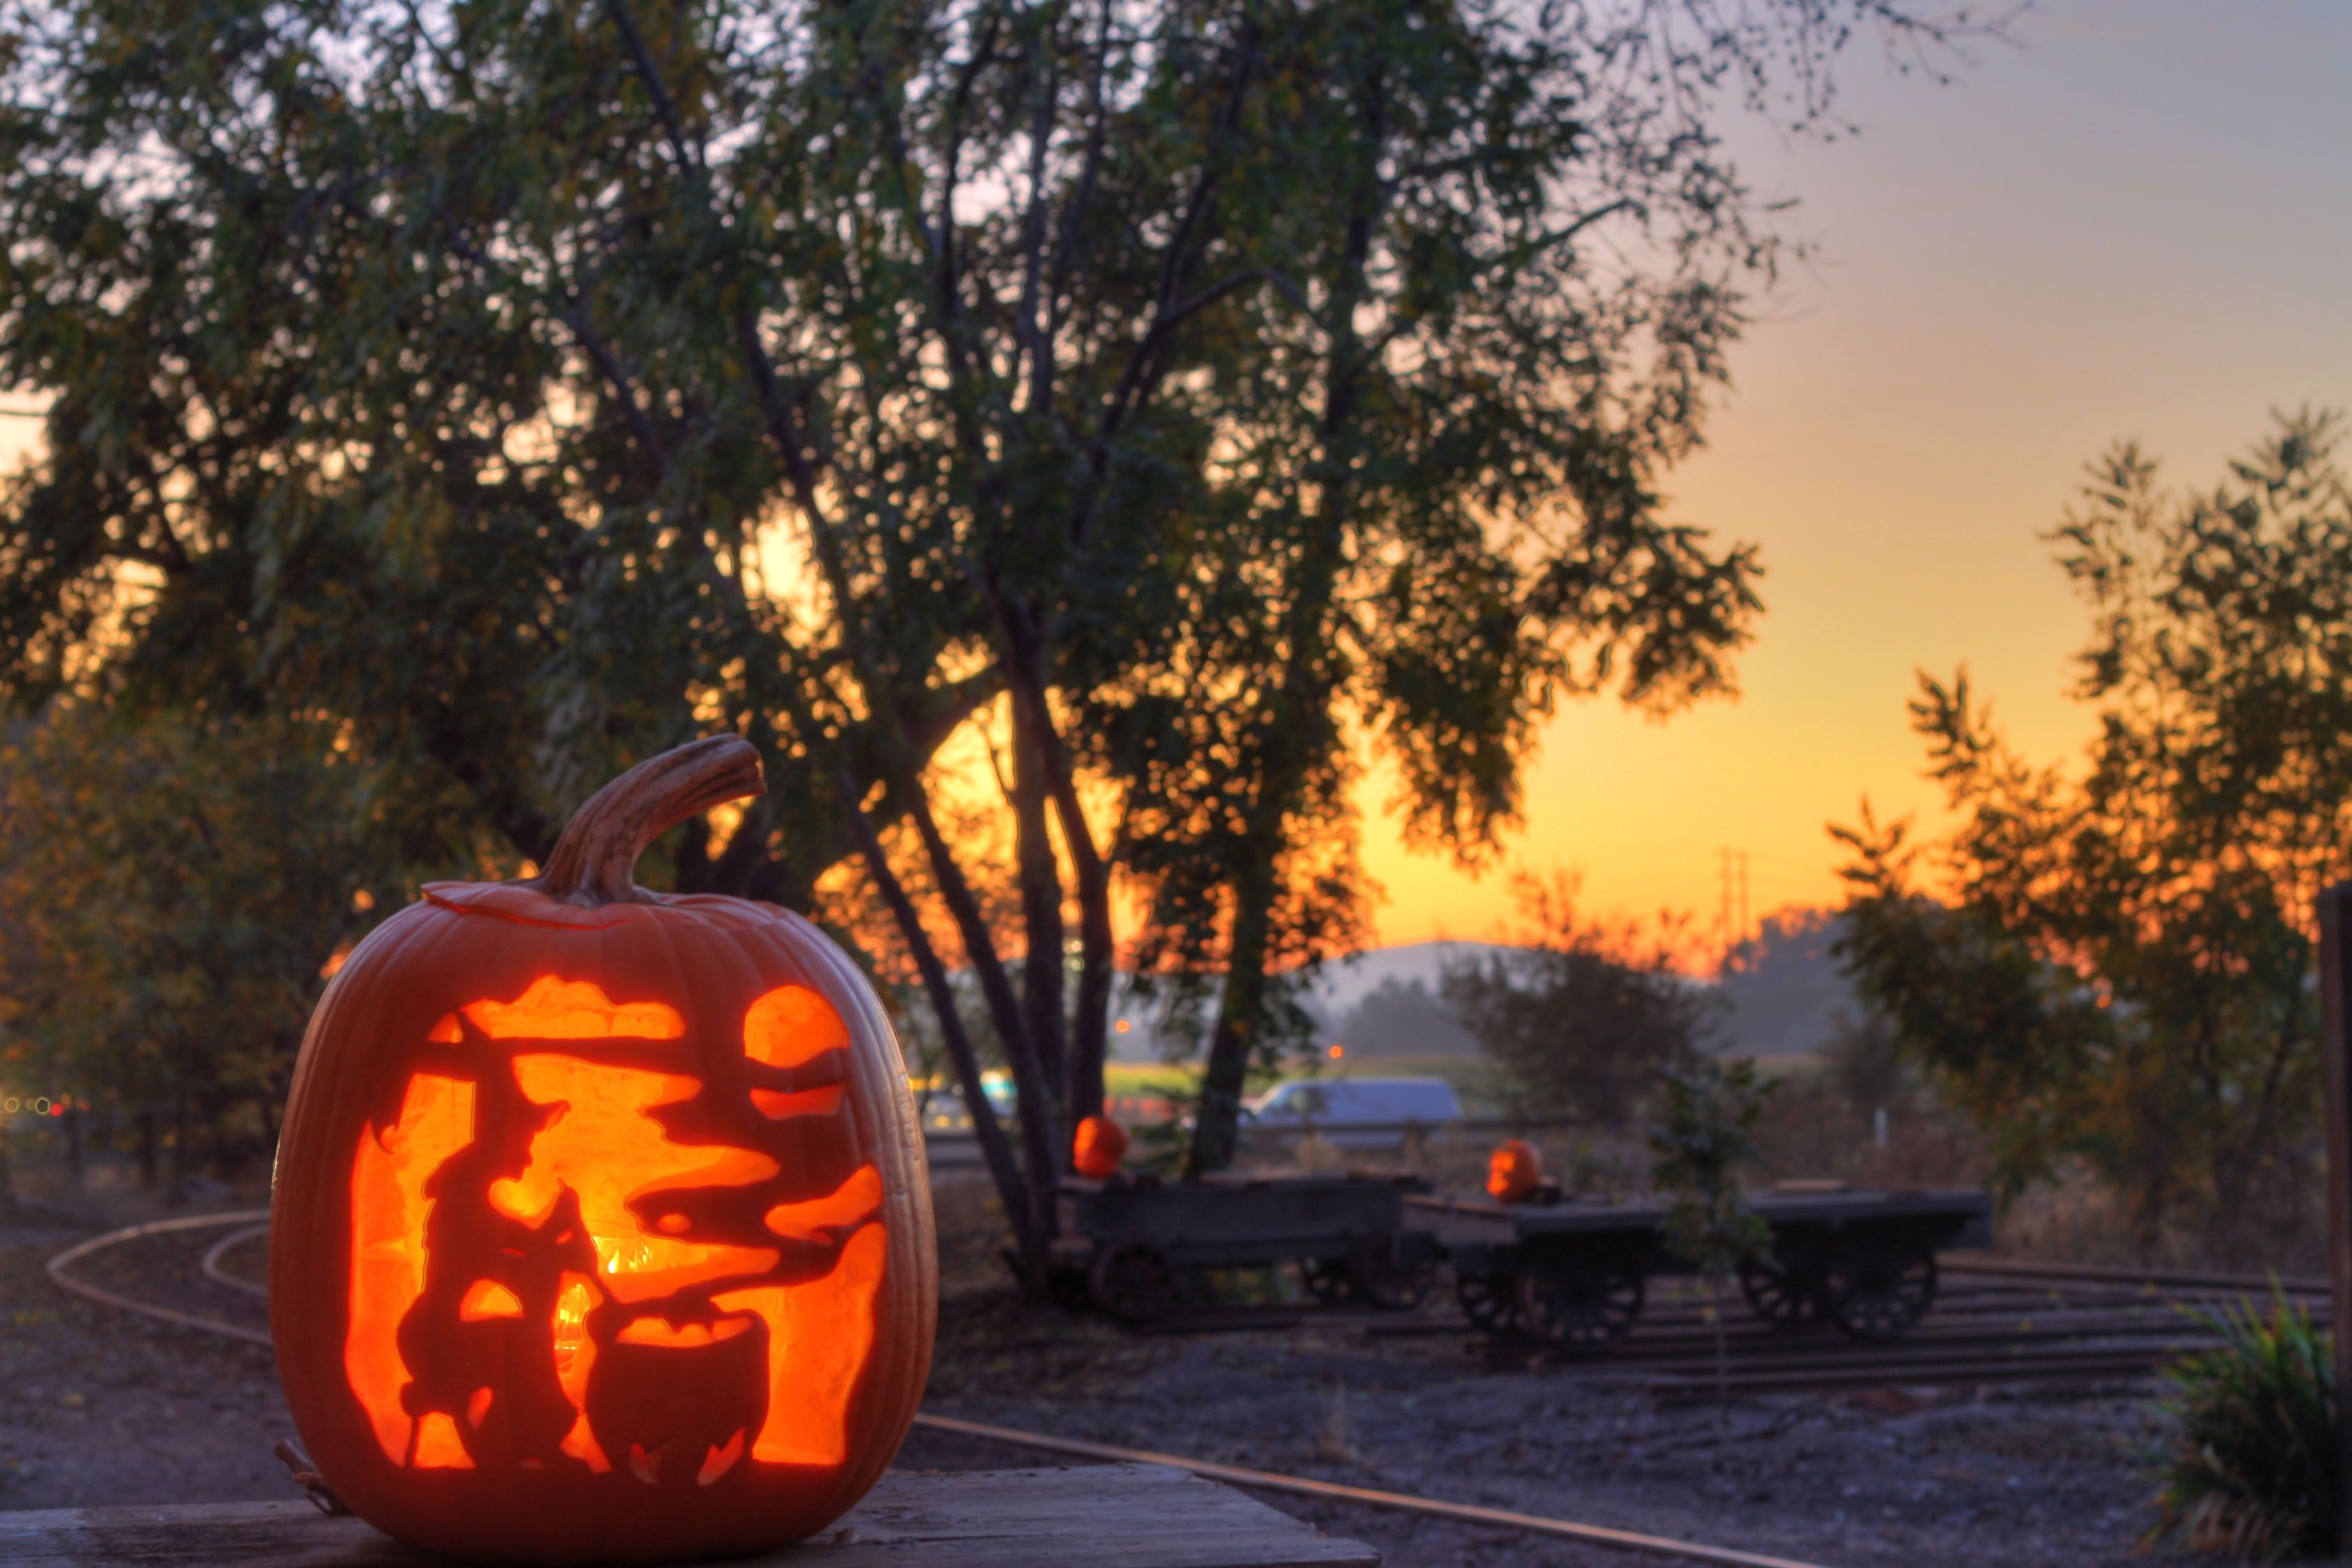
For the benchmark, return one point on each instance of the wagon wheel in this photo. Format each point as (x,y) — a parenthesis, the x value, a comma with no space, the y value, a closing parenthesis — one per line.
(1327,1281)
(1579,1310)
(1782,1295)
(1877,1288)
(1386,1280)
(1134,1282)
(1489,1301)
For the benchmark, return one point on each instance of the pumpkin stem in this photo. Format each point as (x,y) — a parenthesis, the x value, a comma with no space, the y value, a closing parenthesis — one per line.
(596,862)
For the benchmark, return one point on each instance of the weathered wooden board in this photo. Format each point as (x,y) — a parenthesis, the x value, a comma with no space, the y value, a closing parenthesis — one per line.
(1105,1516)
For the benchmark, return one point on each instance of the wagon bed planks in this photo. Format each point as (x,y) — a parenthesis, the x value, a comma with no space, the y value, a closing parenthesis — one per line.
(1110,1515)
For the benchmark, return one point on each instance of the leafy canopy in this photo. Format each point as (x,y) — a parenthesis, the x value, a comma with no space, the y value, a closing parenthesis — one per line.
(2114,964)
(1581,1019)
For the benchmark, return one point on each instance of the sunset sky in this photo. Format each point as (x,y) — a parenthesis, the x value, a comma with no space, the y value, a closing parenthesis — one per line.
(2136,224)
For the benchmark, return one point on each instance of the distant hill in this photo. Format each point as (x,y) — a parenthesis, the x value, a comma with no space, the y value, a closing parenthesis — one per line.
(1382,1003)
(1784,997)
(1786,989)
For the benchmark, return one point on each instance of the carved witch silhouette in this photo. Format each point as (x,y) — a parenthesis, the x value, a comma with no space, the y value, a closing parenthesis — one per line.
(576,1246)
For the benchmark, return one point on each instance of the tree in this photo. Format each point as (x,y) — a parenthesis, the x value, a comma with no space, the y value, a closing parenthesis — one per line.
(173,897)
(1581,1019)
(1158,387)
(2116,966)
(1705,1136)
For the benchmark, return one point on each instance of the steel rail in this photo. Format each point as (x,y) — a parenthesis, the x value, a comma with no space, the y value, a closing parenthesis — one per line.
(2153,1278)
(2131,1365)
(1259,1480)
(80,1249)
(1432,1507)
(213,1253)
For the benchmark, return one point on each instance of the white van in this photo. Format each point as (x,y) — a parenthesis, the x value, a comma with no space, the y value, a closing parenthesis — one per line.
(1354,1112)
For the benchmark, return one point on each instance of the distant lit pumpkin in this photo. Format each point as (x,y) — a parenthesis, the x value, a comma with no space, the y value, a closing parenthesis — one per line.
(1514,1172)
(1097,1147)
(600,1229)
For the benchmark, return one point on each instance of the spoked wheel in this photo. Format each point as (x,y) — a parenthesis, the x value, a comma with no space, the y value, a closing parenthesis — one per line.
(1784,1295)
(1387,1282)
(1489,1301)
(1877,1289)
(1327,1281)
(1579,1309)
(1134,1282)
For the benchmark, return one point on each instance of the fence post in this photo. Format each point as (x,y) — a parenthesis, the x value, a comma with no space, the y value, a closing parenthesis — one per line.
(2335,1058)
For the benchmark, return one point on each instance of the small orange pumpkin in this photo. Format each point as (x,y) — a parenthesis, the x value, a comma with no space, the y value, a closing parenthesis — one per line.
(1514,1172)
(601,1228)
(1097,1147)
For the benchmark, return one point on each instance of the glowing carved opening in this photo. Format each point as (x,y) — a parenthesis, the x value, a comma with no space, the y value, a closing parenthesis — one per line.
(575,1357)
(775,1104)
(720,1459)
(819,1336)
(553,1009)
(853,1203)
(654,1332)
(603,1146)
(487,1298)
(438,1447)
(792,1026)
(389,1209)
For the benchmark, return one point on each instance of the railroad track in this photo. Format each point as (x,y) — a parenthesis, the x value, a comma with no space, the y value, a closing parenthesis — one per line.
(1634,1542)
(1992,1323)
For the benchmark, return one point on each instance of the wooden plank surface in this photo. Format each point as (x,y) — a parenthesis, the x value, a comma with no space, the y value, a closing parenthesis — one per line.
(1103,1516)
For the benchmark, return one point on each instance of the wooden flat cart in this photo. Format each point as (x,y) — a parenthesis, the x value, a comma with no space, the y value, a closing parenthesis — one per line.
(1574,1274)
(1138,1248)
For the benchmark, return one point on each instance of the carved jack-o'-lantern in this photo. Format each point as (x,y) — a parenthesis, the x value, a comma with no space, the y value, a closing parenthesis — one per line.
(1097,1147)
(1514,1172)
(601,1228)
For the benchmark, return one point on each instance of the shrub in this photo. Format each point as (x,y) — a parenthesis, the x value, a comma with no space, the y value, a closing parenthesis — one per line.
(2254,1467)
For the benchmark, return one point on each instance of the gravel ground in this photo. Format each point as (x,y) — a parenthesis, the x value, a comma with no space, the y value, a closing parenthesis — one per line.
(101,1407)
(98,1406)
(1890,1477)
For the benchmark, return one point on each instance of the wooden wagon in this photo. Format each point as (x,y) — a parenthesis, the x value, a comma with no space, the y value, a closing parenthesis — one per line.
(1138,1248)
(1575,1274)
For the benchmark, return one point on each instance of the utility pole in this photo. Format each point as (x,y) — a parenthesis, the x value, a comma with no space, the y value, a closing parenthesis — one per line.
(1732,921)
(2336,1059)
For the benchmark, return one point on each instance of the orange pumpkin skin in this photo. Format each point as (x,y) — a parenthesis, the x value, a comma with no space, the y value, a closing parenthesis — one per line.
(1097,1147)
(601,1231)
(1514,1172)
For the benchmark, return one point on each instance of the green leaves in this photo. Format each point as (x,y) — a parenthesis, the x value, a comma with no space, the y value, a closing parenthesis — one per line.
(1582,1020)
(2114,963)
(2254,1469)
(1702,1137)
(172,892)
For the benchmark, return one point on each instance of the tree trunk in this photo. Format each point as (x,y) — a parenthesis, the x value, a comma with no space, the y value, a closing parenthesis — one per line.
(1041,895)
(1041,1145)
(1021,1204)
(1241,1005)
(148,1171)
(1303,700)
